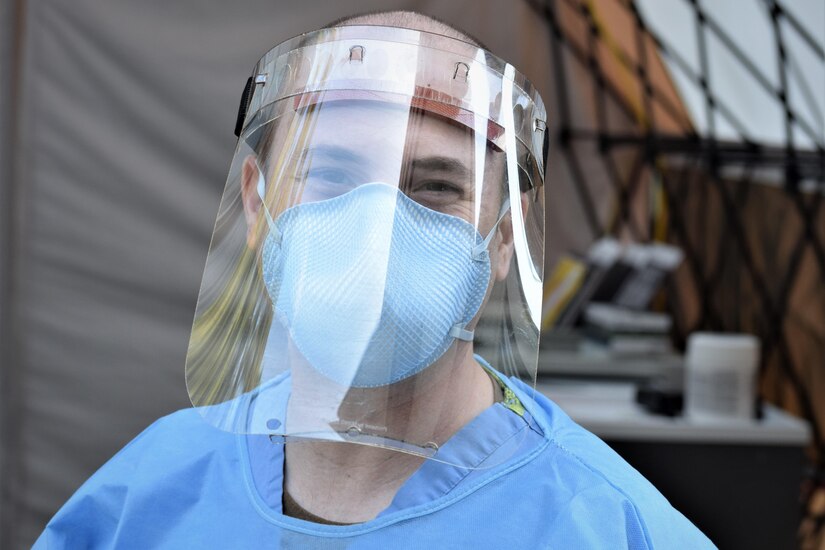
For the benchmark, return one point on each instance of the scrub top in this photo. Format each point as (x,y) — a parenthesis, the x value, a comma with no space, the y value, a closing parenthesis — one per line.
(185,484)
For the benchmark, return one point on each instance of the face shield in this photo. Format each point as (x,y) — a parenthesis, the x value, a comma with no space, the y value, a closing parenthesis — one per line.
(381,228)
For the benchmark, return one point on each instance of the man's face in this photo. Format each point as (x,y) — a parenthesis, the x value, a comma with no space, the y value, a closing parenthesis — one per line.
(329,149)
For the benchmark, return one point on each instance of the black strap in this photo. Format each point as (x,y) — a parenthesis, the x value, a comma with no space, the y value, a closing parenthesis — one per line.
(245,98)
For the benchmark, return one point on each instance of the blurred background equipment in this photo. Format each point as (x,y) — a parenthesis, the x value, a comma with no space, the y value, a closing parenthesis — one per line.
(696,125)
(700,124)
(720,376)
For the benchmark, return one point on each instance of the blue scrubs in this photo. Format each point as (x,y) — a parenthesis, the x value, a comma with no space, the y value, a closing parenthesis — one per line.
(185,484)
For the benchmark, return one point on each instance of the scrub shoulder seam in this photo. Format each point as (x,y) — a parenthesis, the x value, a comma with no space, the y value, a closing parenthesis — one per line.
(604,478)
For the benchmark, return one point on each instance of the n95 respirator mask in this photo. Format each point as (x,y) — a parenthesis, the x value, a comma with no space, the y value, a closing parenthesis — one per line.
(371,286)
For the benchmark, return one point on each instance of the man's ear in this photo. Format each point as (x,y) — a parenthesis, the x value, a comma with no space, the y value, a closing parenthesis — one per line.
(250,174)
(506,247)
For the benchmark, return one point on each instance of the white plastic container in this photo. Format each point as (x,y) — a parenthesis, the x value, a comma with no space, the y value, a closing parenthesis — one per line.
(720,376)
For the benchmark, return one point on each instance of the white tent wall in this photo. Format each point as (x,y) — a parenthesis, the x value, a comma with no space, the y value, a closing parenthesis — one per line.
(121,136)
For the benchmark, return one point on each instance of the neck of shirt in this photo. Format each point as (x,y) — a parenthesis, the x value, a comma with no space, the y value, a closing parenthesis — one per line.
(293,509)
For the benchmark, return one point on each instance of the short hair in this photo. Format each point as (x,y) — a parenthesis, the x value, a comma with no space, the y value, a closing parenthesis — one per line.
(408,20)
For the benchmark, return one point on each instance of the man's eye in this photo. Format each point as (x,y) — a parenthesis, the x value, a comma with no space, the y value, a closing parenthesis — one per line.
(441,195)
(325,183)
(437,187)
(440,186)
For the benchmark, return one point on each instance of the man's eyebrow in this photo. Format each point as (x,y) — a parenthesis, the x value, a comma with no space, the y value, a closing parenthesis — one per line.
(441,164)
(333,152)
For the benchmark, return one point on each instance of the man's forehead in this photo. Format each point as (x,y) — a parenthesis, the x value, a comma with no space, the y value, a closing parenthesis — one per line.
(390,123)
(424,101)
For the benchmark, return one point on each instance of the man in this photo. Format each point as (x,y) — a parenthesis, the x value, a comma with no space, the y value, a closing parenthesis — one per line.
(362,362)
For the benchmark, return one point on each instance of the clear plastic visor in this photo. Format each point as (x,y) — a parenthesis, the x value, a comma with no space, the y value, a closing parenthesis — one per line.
(374,275)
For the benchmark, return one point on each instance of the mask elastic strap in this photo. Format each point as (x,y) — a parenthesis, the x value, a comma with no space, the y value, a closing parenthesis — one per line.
(478,250)
(458,331)
(261,192)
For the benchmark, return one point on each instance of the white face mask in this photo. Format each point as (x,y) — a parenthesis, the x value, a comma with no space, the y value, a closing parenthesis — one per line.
(372,286)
